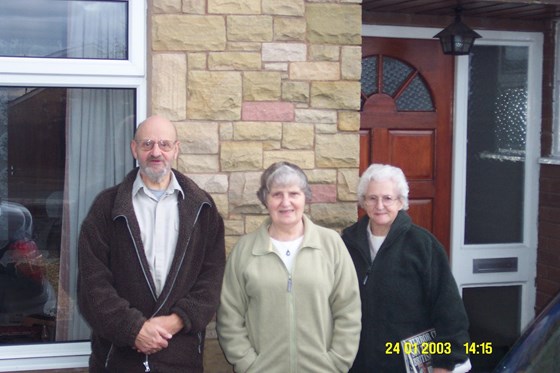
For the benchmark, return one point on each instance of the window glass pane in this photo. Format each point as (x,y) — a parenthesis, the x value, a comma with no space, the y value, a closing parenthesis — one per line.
(59,147)
(64,29)
(496,131)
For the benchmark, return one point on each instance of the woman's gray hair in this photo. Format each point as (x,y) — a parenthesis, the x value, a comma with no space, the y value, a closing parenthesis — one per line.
(282,174)
(383,172)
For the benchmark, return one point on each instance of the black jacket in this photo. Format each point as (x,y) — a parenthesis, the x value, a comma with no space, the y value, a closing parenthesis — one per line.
(409,288)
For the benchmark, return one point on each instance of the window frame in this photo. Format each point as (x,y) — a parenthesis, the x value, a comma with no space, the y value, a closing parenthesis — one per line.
(554,156)
(76,73)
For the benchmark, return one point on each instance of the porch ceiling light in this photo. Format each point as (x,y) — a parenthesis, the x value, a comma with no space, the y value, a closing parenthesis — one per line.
(457,38)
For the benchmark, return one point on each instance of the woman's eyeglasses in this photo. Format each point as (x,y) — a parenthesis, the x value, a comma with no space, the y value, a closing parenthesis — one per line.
(385,200)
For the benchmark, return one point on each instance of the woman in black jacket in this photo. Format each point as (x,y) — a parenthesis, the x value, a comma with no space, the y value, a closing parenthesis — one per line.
(406,285)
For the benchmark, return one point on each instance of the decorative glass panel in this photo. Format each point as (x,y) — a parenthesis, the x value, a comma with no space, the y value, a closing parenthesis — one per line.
(394,75)
(496,134)
(369,75)
(415,97)
(64,29)
(409,96)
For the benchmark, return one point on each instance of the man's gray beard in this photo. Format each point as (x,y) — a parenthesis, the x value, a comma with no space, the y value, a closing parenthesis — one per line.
(155,177)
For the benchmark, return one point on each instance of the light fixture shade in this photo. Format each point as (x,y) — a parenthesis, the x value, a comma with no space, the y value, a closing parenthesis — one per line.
(457,38)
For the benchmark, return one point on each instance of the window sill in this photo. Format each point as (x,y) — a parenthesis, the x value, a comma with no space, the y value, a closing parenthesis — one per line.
(554,160)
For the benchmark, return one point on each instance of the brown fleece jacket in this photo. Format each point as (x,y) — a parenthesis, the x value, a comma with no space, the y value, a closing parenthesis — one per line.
(116,290)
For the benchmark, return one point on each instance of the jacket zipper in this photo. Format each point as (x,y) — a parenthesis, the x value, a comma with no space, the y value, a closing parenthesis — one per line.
(146,360)
(108,356)
(367,274)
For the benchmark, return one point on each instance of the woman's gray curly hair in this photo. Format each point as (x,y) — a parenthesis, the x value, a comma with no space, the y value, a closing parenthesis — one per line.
(282,174)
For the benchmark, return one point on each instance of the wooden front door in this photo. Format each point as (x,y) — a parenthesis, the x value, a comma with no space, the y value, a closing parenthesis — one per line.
(407,101)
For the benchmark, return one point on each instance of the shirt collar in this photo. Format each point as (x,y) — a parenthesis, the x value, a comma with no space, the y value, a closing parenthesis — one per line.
(171,188)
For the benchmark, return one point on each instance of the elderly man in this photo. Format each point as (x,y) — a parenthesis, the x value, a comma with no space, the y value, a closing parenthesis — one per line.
(151,262)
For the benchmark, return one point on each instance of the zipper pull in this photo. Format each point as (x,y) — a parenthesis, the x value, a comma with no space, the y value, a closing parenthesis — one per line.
(289,285)
(146,365)
(367,274)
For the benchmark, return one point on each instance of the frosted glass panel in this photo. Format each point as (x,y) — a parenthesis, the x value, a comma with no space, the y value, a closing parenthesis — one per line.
(496,131)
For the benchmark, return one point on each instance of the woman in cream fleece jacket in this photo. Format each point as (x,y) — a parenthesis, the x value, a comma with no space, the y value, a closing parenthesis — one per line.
(290,298)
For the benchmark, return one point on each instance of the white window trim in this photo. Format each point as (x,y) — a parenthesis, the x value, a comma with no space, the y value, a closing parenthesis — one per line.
(82,73)
(554,157)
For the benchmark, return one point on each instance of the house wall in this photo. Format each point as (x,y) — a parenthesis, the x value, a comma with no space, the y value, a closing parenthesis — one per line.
(548,252)
(252,82)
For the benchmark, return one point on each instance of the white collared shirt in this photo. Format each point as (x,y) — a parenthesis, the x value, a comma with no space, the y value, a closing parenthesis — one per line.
(159,226)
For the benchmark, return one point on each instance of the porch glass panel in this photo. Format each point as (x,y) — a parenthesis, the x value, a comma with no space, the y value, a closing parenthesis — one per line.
(496,142)
(59,147)
(64,29)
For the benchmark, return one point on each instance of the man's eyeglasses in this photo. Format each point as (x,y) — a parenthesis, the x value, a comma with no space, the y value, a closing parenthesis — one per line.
(385,200)
(164,145)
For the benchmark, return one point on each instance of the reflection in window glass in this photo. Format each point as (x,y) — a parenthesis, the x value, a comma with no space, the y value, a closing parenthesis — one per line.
(496,134)
(64,29)
(59,147)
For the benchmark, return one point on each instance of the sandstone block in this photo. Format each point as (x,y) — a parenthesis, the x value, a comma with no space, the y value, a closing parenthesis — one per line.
(298,136)
(267,111)
(226,131)
(315,116)
(234,227)
(234,6)
(295,91)
(255,131)
(234,61)
(315,71)
(334,23)
(194,6)
(249,28)
(212,183)
(303,158)
(193,163)
(196,61)
(253,222)
(284,7)
(214,95)
(351,63)
(169,85)
(262,86)
(349,121)
(339,150)
(198,137)
(289,29)
(336,216)
(324,52)
(278,52)
(348,179)
(241,156)
(321,176)
(323,193)
(336,95)
(166,6)
(173,32)
(243,188)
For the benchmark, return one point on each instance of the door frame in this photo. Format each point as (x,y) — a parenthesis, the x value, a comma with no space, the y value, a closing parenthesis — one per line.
(462,255)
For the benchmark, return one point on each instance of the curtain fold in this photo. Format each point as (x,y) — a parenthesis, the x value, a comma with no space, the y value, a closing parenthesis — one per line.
(99,126)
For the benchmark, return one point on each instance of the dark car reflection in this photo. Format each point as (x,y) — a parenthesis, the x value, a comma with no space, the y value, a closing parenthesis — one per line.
(538,348)
(25,292)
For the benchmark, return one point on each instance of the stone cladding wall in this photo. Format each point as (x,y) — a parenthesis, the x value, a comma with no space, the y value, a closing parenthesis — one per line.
(252,82)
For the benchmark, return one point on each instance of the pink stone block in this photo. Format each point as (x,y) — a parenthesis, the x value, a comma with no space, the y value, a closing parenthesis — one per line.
(268,111)
(323,193)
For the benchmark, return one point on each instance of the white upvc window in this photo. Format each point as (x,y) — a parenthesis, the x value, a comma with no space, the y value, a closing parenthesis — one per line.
(72,88)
